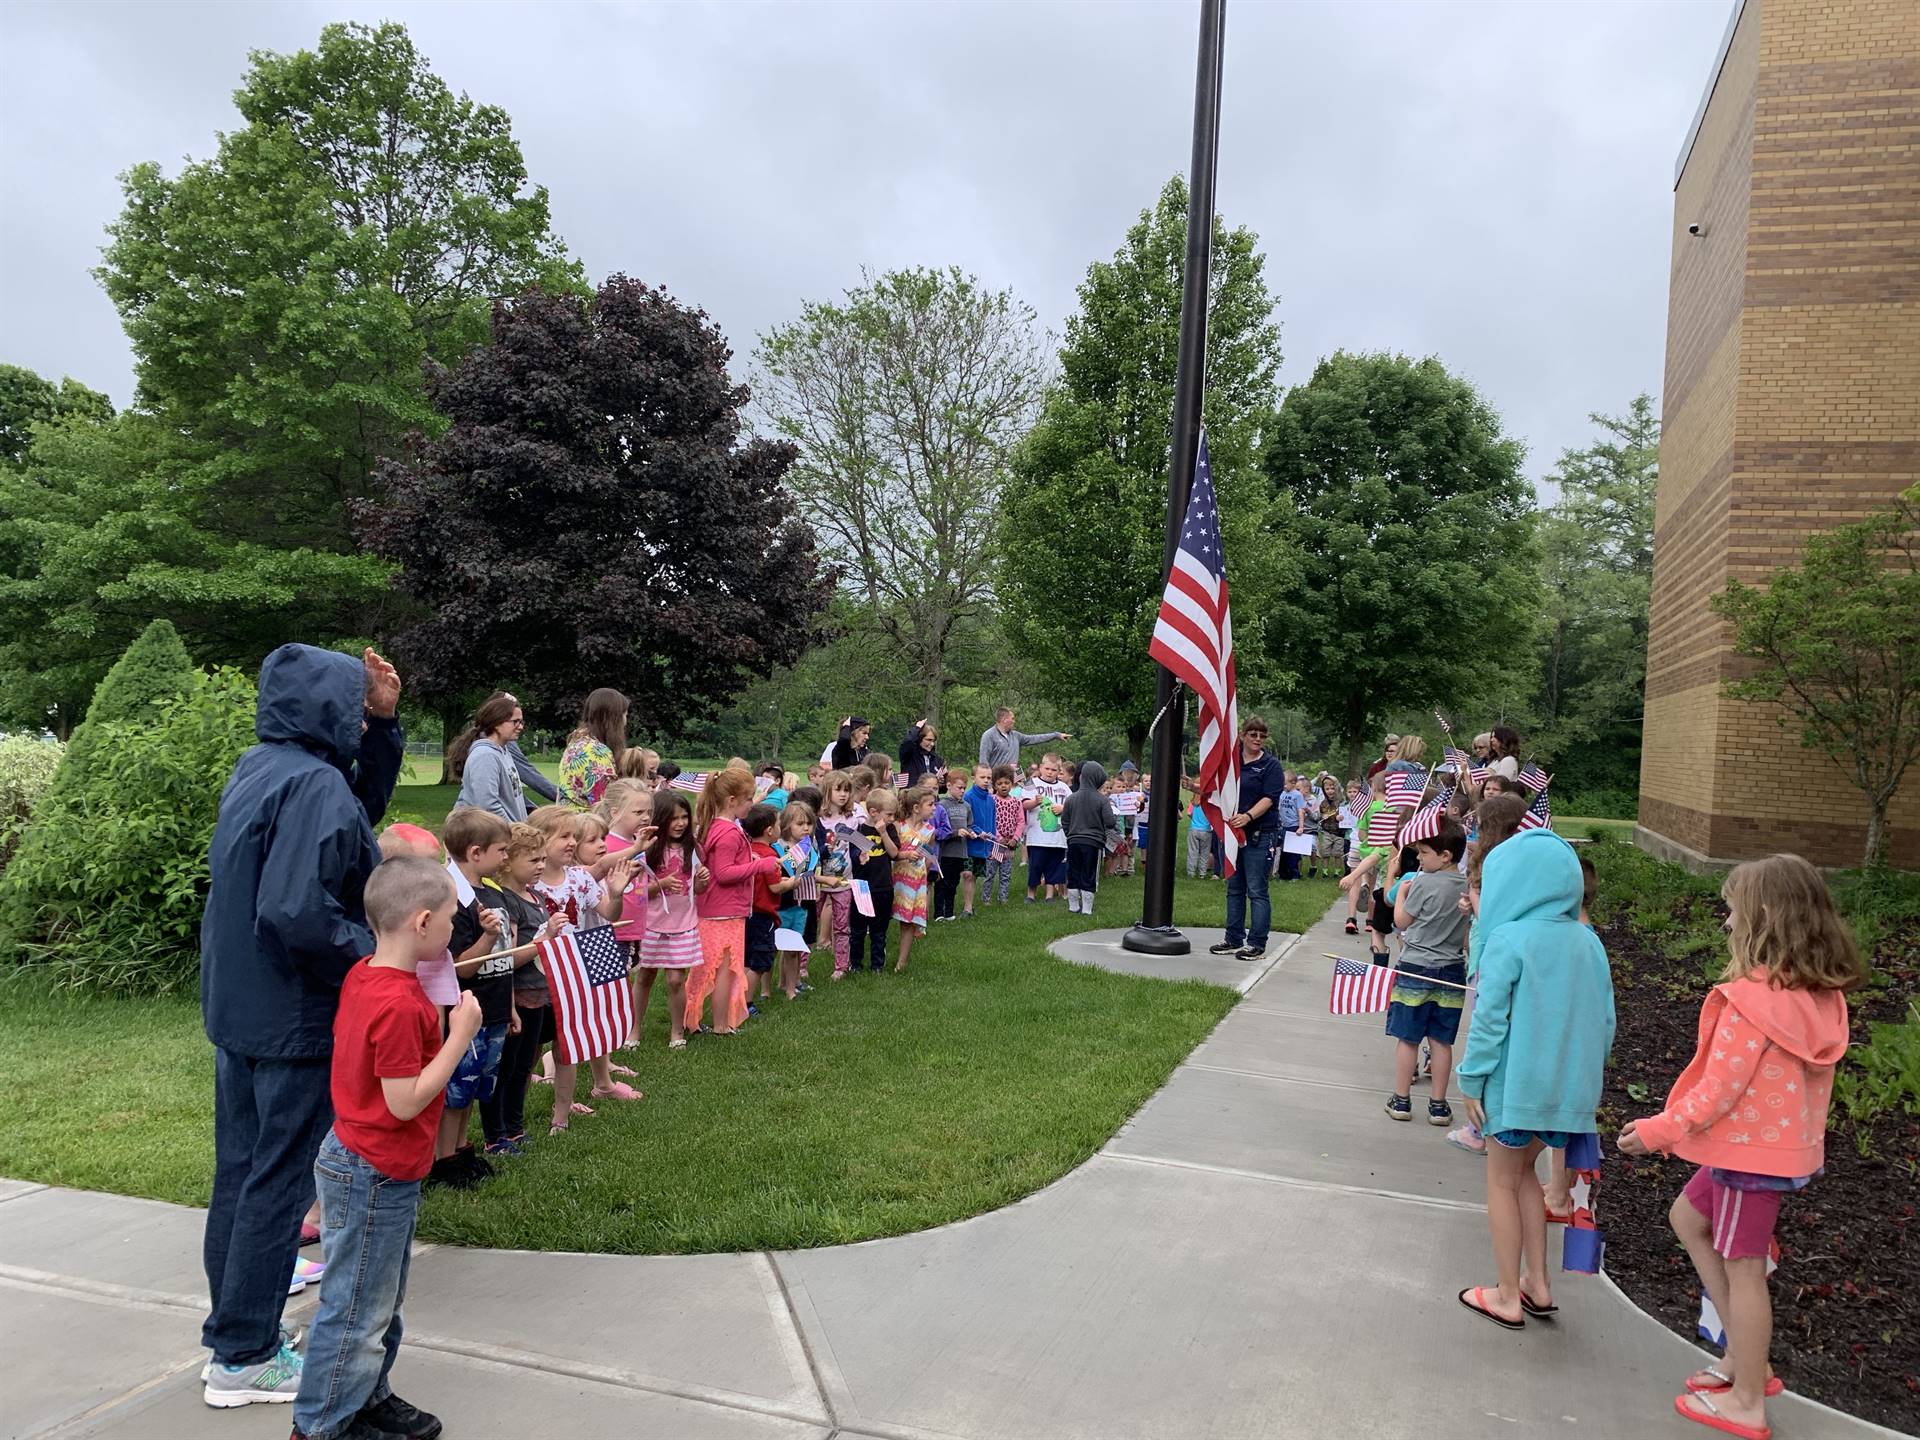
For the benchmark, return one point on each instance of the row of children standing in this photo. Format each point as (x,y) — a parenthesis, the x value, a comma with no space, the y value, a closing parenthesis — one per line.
(1493,922)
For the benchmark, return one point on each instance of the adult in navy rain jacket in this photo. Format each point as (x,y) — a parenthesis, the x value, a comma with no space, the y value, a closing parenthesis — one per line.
(291,854)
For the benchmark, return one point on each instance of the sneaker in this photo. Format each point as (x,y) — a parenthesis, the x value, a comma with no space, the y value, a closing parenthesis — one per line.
(507,1149)
(272,1382)
(290,1338)
(395,1416)
(360,1428)
(1252,953)
(1468,1139)
(309,1271)
(1439,1113)
(1399,1107)
(1225,947)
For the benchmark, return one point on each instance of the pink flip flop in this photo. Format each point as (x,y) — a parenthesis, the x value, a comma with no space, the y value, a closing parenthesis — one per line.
(580,1109)
(1774,1386)
(620,1070)
(1714,1420)
(619,1090)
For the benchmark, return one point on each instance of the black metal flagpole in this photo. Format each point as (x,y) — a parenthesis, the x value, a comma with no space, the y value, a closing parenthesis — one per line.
(1155,934)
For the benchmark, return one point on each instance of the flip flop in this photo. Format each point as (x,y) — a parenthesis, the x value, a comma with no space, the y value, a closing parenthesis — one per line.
(1714,1420)
(1774,1386)
(619,1090)
(309,1235)
(1537,1310)
(1555,1217)
(580,1109)
(620,1070)
(1479,1307)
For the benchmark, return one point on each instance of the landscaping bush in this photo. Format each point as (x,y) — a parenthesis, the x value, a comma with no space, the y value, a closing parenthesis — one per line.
(27,764)
(153,668)
(108,894)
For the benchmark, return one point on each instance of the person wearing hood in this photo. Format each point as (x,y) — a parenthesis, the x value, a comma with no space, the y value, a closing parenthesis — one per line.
(292,851)
(1750,1110)
(1536,1050)
(1087,821)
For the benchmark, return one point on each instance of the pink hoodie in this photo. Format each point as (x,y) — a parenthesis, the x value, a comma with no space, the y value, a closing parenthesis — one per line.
(1754,1097)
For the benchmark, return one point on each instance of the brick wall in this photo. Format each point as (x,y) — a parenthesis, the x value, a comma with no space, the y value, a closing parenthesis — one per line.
(1792,398)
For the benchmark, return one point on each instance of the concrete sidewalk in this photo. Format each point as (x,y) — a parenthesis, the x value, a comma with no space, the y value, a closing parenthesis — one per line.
(1259,1252)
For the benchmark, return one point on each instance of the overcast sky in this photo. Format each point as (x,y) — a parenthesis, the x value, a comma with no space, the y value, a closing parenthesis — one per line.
(1488,183)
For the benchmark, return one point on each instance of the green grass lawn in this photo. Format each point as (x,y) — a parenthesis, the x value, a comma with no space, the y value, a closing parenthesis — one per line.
(875,1106)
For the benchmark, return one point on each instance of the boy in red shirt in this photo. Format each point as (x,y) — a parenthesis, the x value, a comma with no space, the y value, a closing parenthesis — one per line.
(390,1072)
(758,825)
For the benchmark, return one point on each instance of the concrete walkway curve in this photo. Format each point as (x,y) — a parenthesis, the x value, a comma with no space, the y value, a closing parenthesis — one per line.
(1258,1252)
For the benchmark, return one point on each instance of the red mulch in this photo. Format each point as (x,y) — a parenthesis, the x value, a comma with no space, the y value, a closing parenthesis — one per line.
(1847,1294)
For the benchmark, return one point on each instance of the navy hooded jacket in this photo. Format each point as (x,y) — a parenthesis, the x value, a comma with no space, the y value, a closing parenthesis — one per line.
(291,854)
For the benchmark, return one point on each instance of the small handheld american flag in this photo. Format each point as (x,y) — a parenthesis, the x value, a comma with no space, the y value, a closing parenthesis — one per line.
(1428,819)
(1358,988)
(1404,787)
(692,784)
(592,1004)
(1539,815)
(1382,825)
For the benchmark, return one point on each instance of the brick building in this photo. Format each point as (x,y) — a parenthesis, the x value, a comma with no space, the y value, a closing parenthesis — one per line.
(1791,401)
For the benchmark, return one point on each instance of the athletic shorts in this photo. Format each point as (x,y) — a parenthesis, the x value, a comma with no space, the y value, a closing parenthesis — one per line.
(1742,1220)
(1046,865)
(760,947)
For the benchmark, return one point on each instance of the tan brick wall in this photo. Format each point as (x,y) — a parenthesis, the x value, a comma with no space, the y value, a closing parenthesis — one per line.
(1798,411)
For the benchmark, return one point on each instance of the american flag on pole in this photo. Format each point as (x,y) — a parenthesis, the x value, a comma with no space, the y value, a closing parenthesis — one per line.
(692,784)
(1193,638)
(1534,778)
(592,1005)
(1359,989)
(1382,824)
(1404,787)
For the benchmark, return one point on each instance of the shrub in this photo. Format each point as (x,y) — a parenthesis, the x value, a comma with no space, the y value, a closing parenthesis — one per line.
(27,764)
(1881,1077)
(153,668)
(110,893)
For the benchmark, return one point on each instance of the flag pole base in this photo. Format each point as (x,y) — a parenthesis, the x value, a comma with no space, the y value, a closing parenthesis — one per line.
(1156,940)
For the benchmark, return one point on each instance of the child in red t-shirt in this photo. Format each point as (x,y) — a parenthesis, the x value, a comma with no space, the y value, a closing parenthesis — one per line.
(390,1072)
(758,824)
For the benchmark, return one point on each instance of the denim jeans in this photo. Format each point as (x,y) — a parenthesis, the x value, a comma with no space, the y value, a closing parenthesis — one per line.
(366,1235)
(1247,891)
(269,1117)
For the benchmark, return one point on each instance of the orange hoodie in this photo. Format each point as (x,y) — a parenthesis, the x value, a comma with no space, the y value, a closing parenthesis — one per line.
(1754,1097)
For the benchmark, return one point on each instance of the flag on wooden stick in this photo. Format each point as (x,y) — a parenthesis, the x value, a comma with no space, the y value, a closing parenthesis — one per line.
(592,1003)
(1358,989)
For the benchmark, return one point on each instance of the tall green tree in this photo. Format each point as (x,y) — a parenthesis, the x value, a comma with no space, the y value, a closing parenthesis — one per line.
(1596,546)
(593,516)
(1409,521)
(28,399)
(1086,505)
(1834,643)
(282,299)
(906,399)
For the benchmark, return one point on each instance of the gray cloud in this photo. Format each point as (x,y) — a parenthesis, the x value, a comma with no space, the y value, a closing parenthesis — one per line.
(1489,183)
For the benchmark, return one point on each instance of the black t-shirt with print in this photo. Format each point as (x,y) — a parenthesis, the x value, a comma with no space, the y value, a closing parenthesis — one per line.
(492,985)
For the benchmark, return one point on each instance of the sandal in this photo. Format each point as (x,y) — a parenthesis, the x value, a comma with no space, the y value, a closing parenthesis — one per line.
(1352,929)
(620,1070)
(1473,1300)
(619,1090)
(309,1235)
(580,1109)
(539,1079)
(1557,1217)
(1720,1381)
(553,1130)
(679,1042)
(1538,1311)
(1702,1411)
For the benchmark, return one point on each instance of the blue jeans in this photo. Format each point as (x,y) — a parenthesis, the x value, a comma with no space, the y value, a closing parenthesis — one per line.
(1247,890)
(366,1235)
(268,1120)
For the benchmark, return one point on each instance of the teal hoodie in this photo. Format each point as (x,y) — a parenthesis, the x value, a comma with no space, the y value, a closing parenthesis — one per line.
(1543,1011)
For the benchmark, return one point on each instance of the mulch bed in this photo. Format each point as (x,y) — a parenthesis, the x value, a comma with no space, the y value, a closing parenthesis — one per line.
(1847,1294)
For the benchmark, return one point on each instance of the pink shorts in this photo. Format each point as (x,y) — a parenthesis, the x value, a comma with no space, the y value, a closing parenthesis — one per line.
(1742,1219)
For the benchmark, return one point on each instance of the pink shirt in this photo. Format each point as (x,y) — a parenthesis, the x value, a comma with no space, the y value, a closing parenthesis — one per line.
(669,913)
(632,924)
(728,855)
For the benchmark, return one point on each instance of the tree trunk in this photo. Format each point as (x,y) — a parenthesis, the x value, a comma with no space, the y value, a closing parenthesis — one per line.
(1137,745)
(1876,836)
(451,725)
(1353,758)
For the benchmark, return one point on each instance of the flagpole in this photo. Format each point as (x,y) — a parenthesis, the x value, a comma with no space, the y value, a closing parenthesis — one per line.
(1155,934)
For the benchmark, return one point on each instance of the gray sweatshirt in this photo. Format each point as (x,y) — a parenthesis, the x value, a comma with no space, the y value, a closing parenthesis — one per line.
(998,749)
(490,781)
(1088,817)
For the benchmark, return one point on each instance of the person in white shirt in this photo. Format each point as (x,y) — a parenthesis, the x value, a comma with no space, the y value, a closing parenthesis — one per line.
(1045,796)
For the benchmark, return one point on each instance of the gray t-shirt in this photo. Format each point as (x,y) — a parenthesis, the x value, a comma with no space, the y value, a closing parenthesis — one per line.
(1437,933)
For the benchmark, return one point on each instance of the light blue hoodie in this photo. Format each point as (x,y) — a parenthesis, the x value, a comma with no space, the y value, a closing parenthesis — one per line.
(1543,1014)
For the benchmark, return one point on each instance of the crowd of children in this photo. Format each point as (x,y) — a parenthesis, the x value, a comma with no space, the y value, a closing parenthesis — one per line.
(1490,916)
(723,886)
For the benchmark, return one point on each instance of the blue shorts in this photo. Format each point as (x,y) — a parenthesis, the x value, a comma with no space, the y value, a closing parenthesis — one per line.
(1520,1139)
(479,1068)
(1046,865)
(760,947)
(1428,1020)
